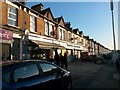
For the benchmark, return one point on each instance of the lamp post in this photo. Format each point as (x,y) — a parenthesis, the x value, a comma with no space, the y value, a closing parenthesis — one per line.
(24,40)
(111,6)
(115,55)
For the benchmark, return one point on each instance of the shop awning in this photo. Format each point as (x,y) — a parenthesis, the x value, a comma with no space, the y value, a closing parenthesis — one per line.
(46,45)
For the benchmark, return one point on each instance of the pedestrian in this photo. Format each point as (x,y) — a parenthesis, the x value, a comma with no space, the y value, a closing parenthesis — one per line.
(65,62)
(56,58)
(61,60)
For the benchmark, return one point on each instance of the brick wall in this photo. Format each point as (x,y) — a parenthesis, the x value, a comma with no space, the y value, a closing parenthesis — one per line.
(4,13)
(23,20)
(40,25)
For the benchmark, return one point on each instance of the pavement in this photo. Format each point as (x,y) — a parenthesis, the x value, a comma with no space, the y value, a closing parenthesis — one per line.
(90,75)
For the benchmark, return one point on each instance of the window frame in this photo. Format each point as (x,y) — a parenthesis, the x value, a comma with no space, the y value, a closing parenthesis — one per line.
(49,28)
(46,28)
(32,23)
(60,35)
(63,35)
(15,14)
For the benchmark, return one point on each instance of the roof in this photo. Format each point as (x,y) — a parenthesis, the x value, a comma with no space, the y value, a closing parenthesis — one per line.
(40,4)
(43,12)
(58,19)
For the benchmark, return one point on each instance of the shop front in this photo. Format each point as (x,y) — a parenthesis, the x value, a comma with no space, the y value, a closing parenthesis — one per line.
(45,47)
(5,44)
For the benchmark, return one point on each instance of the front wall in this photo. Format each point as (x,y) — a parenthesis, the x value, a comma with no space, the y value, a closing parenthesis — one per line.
(49,16)
(62,23)
(23,20)
(66,35)
(4,13)
(40,26)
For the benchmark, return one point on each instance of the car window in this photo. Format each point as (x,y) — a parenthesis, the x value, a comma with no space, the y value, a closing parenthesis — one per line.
(6,77)
(48,69)
(26,72)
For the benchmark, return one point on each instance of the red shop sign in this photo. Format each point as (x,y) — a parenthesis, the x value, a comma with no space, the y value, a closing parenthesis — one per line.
(6,35)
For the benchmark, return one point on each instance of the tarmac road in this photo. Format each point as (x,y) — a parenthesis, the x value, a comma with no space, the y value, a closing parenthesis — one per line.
(90,75)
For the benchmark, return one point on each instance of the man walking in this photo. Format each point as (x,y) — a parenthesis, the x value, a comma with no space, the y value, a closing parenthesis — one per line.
(65,61)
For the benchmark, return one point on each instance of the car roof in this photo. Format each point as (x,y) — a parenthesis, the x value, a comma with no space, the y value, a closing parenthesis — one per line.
(14,63)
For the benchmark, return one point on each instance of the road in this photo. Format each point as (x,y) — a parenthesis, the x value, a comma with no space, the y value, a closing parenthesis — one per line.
(90,75)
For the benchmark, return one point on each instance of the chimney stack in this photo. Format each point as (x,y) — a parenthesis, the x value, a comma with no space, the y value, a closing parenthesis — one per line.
(67,24)
(37,7)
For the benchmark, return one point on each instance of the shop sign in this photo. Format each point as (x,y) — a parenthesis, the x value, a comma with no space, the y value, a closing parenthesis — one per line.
(6,36)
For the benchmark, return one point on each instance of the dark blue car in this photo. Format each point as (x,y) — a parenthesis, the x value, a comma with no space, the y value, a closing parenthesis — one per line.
(34,74)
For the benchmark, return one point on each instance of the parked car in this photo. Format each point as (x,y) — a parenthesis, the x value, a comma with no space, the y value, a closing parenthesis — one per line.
(34,74)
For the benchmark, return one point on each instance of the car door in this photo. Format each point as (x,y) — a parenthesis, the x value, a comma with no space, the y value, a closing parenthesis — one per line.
(26,77)
(52,75)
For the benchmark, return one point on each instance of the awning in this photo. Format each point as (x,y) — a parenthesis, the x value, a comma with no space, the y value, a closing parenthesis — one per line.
(46,45)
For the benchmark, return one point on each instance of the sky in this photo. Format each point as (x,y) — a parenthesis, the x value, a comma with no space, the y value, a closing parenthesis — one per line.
(93,18)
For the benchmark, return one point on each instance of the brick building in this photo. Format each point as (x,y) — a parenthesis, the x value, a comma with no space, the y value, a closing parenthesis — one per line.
(29,33)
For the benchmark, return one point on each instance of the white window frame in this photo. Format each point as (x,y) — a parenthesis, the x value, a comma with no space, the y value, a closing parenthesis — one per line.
(46,28)
(32,24)
(60,34)
(15,14)
(63,35)
(49,28)
(69,36)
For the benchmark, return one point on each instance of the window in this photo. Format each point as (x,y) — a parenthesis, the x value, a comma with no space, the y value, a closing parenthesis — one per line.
(32,24)
(12,16)
(63,35)
(51,29)
(46,28)
(26,72)
(60,34)
(69,37)
(48,69)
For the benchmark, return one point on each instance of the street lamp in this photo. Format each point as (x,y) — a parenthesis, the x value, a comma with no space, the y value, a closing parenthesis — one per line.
(111,6)
(115,55)
(24,40)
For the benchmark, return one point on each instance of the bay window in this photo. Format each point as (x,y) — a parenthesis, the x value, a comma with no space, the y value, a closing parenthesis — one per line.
(60,34)
(63,35)
(48,29)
